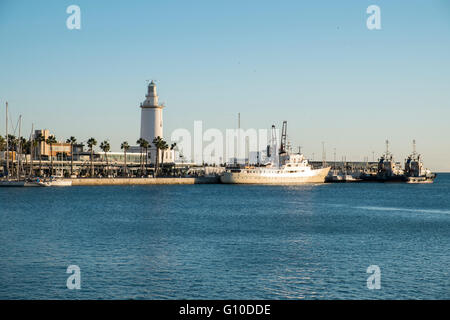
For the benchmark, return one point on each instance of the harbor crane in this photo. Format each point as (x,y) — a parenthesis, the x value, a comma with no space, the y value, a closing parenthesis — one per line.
(283,138)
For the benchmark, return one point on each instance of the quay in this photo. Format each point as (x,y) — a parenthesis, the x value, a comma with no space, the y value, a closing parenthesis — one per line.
(143,181)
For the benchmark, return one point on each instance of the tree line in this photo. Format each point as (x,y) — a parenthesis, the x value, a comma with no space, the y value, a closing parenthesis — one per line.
(23,146)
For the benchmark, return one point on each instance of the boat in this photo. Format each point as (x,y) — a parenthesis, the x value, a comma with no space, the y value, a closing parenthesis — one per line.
(27,181)
(342,177)
(415,171)
(18,181)
(12,183)
(55,182)
(61,183)
(296,170)
(21,183)
(292,169)
(391,171)
(387,171)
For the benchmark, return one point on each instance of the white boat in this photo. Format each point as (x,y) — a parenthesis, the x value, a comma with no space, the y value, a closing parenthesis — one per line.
(55,182)
(341,177)
(20,183)
(12,183)
(295,170)
(61,183)
(284,168)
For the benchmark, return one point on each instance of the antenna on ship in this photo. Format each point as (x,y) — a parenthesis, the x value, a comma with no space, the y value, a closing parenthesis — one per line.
(414,146)
(334,156)
(324,155)
(387,147)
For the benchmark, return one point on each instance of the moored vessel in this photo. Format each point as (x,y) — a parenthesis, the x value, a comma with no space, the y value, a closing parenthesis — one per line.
(415,171)
(291,169)
(387,171)
(296,170)
(390,171)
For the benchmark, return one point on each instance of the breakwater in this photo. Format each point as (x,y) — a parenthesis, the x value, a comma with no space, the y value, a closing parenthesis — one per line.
(142,181)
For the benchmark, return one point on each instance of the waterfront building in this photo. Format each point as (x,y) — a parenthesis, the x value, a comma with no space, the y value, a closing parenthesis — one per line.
(44,149)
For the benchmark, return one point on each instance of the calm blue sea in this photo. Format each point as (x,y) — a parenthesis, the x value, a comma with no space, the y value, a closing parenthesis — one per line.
(227,241)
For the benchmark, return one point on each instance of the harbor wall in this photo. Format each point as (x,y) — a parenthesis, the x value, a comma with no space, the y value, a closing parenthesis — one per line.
(142,181)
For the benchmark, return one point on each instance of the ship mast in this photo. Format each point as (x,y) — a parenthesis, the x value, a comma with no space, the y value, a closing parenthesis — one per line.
(19,149)
(324,155)
(31,150)
(236,147)
(7,144)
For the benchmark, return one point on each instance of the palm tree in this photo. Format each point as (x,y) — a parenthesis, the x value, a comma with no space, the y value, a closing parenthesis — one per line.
(39,138)
(125,146)
(105,148)
(72,140)
(145,144)
(51,140)
(2,143)
(160,144)
(12,142)
(164,146)
(91,143)
(34,145)
(25,145)
(157,142)
(139,142)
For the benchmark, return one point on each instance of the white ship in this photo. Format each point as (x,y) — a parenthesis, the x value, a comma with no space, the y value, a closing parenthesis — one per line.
(291,169)
(295,170)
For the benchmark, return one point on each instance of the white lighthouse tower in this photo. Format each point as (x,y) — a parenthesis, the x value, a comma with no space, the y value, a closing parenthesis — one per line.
(151,115)
(152,124)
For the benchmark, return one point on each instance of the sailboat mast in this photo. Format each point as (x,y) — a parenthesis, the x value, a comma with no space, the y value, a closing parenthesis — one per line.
(31,149)
(7,143)
(19,149)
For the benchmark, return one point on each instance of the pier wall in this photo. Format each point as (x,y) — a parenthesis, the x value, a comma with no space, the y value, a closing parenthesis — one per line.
(142,181)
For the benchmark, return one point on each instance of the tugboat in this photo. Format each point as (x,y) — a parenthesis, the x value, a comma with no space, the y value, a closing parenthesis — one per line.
(388,170)
(415,172)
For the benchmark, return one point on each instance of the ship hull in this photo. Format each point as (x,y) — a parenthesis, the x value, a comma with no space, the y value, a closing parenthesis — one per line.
(399,178)
(316,176)
(15,184)
(423,179)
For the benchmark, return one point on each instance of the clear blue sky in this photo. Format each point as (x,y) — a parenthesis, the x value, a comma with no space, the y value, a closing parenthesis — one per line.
(313,63)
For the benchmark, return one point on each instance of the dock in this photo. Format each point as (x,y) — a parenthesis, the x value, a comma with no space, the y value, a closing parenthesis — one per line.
(142,181)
